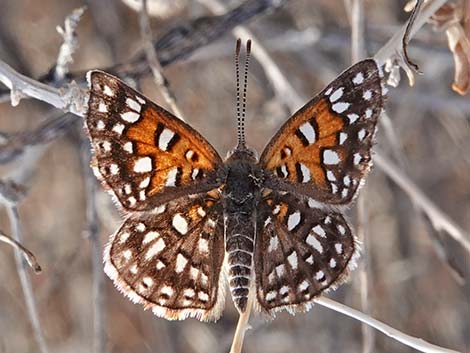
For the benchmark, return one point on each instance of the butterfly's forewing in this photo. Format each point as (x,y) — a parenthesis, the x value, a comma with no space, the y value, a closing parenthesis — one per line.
(170,260)
(300,252)
(144,154)
(323,150)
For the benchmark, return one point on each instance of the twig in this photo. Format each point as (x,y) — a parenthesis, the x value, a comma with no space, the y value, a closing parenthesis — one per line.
(416,343)
(395,43)
(27,255)
(92,224)
(361,230)
(242,325)
(70,44)
(16,144)
(358,49)
(438,218)
(406,36)
(72,99)
(13,217)
(358,52)
(152,59)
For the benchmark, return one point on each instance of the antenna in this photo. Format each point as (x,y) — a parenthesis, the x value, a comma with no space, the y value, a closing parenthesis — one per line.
(241,116)
(237,69)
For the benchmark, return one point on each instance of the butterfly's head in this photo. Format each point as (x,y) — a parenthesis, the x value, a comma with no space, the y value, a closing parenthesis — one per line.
(242,153)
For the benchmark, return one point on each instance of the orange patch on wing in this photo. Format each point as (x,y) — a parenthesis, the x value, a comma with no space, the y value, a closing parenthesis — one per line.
(328,125)
(143,134)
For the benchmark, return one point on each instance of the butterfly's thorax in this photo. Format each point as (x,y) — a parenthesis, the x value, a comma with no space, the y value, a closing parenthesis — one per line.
(240,198)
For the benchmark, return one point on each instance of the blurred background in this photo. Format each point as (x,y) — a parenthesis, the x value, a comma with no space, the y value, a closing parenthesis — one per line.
(417,277)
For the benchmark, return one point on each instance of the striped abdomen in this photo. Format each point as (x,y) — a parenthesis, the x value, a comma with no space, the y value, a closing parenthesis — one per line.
(239,245)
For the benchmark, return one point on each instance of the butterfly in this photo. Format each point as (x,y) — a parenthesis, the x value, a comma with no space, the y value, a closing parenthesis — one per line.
(272,227)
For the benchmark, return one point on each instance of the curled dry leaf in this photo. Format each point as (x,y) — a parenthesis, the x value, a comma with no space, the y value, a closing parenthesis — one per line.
(455,19)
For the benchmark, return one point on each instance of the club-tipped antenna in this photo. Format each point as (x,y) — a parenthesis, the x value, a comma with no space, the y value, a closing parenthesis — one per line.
(241,114)
(240,138)
(245,85)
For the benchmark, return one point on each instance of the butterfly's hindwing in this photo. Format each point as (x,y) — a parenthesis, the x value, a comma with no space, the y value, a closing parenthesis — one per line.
(323,150)
(143,153)
(170,260)
(301,251)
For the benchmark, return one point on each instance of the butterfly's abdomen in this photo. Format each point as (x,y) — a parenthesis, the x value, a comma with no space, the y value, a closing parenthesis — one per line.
(239,245)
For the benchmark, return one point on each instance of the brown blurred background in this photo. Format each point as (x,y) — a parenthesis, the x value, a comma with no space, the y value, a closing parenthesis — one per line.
(411,286)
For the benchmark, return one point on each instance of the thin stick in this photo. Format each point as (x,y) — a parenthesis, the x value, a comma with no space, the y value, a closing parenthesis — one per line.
(72,99)
(242,325)
(13,216)
(27,255)
(416,343)
(154,63)
(395,43)
(93,231)
(438,218)
(70,44)
(358,52)
(361,231)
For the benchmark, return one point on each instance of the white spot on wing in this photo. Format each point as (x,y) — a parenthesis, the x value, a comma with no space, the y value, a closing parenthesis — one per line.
(108,91)
(332,263)
(130,117)
(328,91)
(133,105)
(114,169)
(143,165)
(271,296)
(273,243)
(280,270)
(368,113)
(361,134)
(319,230)
(128,147)
(165,138)
(358,79)
(342,137)
(336,95)
(357,158)
(308,131)
(339,248)
(341,229)
(367,95)
(314,243)
(352,118)
(102,108)
(154,249)
(150,236)
(144,183)
(180,224)
(181,262)
(330,175)
(203,245)
(340,107)
(293,261)
(293,220)
(319,275)
(171,177)
(167,290)
(305,173)
(303,286)
(330,157)
(118,128)
(100,125)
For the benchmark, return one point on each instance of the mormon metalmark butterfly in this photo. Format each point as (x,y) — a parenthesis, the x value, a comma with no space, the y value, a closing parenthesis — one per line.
(272,226)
